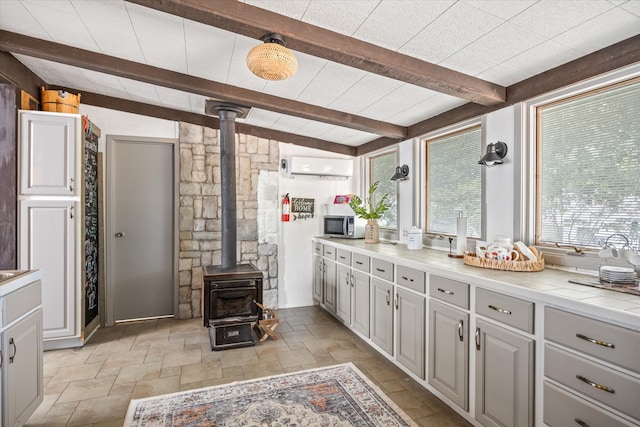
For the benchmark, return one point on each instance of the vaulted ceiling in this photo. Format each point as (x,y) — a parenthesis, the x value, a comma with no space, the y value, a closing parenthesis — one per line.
(371,72)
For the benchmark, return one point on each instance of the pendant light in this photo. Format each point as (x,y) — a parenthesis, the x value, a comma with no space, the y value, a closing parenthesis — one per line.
(272,60)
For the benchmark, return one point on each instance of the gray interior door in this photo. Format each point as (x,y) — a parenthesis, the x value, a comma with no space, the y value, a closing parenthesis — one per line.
(141,227)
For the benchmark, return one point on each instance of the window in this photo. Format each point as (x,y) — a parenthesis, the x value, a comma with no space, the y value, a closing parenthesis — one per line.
(588,161)
(382,168)
(454,182)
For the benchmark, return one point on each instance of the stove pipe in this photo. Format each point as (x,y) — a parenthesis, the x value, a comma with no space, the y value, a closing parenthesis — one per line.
(227,113)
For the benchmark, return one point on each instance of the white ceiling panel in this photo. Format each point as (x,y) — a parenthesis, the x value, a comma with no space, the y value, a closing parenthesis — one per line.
(172,98)
(401,99)
(601,31)
(291,8)
(314,129)
(552,17)
(161,37)
(445,36)
(15,17)
(344,17)
(289,122)
(632,6)
(428,108)
(332,81)
(505,9)
(109,25)
(365,92)
(346,136)
(262,118)
(308,68)
(505,42)
(239,74)
(209,51)
(142,92)
(380,28)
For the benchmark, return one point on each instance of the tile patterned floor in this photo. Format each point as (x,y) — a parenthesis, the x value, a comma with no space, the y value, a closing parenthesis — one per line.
(92,386)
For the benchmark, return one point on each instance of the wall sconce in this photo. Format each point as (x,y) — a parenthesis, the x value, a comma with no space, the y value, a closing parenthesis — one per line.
(402,173)
(495,154)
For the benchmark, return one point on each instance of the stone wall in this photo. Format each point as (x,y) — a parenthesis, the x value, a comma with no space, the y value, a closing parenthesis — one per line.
(257,162)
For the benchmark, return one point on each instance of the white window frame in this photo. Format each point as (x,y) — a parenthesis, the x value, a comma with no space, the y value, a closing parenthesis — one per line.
(560,257)
(440,240)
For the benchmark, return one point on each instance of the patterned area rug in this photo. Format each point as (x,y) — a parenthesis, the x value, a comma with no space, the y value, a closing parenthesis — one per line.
(335,396)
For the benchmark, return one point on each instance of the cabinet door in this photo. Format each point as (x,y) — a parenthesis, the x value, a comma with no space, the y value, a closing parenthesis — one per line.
(330,278)
(343,307)
(382,315)
(410,323)
(361,302)
(318,278)
(22,365)
(504,376)
(47,242)
(449,353)
(48,153)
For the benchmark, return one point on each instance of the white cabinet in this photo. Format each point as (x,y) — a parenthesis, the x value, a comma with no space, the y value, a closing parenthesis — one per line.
(382,315)
(21,370)
(343,289)
(361,302)
(48,144)
(329,285)
(410,325)
(48,242)
(50,217)
(504,376)
(318,278)
(449,352)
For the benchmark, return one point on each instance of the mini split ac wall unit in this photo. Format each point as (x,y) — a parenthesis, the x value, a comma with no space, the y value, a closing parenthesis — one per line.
(323,167)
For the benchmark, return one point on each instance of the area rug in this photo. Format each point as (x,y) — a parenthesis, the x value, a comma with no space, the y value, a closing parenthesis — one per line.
(334,396)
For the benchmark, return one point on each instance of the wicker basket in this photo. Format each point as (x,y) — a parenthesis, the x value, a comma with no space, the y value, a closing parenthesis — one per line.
(529,266)
(59,101)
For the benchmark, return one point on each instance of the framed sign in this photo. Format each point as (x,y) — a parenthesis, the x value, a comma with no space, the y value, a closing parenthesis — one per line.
(302,208)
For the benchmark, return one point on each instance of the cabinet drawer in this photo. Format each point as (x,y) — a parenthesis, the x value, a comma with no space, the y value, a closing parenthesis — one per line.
(317,248)
(344,257)
(605,341)
(562,408)
(508,310)
(410,278)
(329,252)
(20,302)
(606,385)
(382,269)
(451,291)
(361,262)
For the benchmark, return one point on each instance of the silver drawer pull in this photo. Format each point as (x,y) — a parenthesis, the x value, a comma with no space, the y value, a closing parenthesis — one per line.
(595,385)
(591,340)
(460,326)
(444,291)
(499,310)
(581,423)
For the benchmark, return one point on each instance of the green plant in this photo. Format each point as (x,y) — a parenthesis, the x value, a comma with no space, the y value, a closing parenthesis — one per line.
(368,208)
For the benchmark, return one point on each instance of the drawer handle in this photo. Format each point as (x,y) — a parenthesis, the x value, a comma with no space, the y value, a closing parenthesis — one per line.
(460,326)
(591,340)
(12,343)
(595,385)
(388,297)
(406,278)
(477,338)
(359,262)
(581,423)
(396,303)
(445,291)
(329,252)
(343,257)
(381,270)
(499,310)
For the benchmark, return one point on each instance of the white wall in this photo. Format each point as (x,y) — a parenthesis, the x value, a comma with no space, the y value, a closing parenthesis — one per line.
(295,269)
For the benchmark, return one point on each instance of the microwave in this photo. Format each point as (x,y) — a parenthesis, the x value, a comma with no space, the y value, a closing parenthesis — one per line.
(344,226)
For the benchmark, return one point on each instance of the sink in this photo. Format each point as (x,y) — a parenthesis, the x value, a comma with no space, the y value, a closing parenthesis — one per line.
(6,275)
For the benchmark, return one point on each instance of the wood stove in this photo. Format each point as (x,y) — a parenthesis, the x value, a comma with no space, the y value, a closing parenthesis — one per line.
(228,304)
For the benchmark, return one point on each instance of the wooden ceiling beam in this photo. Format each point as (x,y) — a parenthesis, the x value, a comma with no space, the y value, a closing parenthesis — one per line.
(149,110)
(251,21)
(17,74)
(43,49)
(608,59)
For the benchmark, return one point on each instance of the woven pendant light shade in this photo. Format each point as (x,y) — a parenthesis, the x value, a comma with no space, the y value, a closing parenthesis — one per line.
(272,60)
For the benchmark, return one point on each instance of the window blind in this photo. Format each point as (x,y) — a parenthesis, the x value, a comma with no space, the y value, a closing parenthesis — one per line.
(589,167)
(453,182)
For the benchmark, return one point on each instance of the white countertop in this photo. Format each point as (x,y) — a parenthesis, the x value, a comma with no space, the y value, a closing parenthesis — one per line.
(550,286)
(10,285)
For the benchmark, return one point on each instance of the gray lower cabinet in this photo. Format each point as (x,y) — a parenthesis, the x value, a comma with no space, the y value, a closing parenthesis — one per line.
(329,285)
(343,289)
(449,352)
(504,376)
(361,302)
(410,324)
(382,315)
(318,278)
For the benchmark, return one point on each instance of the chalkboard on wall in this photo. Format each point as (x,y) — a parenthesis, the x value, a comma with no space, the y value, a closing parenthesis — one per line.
(91,225)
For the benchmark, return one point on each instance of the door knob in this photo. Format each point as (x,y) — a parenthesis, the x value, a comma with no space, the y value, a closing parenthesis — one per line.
(119,234)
